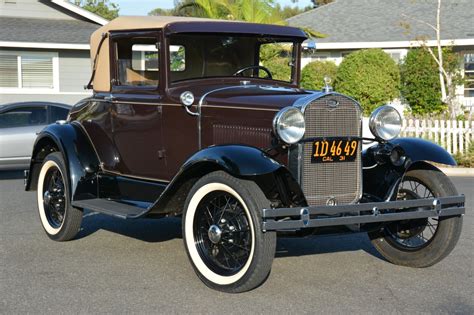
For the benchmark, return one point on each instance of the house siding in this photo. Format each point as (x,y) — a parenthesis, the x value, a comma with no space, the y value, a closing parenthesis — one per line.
(74,70)
(34,9)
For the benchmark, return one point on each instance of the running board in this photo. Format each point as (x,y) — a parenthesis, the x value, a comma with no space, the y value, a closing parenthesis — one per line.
(111,207)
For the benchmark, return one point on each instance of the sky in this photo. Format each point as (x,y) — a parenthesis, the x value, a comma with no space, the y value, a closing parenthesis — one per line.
(142,7)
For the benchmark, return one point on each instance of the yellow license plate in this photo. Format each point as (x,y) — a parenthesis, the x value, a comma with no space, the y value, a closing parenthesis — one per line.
(334,150)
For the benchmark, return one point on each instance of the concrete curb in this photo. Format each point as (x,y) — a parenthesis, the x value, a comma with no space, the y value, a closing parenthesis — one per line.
(458,171)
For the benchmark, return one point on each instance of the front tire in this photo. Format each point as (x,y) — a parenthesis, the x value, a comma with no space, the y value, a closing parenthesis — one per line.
(423,242)
(59,219)
(222,232)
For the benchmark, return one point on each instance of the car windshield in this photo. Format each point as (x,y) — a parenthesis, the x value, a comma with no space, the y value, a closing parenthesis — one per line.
(205,56)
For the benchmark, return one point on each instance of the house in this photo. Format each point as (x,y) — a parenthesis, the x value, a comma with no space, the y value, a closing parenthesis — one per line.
(394,26)
(44,50)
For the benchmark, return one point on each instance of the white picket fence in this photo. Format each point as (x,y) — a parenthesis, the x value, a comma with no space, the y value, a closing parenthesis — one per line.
(454,136)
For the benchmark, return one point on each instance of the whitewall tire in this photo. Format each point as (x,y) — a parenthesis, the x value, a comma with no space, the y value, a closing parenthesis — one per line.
(60,221)
(222,233)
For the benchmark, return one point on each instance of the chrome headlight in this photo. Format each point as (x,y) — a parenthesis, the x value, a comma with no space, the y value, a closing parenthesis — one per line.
(385,123)
(289,125)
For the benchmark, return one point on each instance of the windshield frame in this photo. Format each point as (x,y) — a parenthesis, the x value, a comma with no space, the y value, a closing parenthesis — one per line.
(295,67)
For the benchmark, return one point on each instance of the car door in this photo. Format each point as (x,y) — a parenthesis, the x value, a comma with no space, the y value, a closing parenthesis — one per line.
(136,105)
(18,129)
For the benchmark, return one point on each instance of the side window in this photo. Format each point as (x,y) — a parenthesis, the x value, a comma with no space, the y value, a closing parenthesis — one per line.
(22,117)
(137,62)
(277,57)
(58,113)
(177,58)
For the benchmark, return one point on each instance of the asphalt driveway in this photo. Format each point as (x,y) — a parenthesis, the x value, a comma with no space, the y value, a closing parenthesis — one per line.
(120,266)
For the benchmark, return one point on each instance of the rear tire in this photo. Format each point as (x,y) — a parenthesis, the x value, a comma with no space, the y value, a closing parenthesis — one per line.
(222,232)
(396,242)
(59,219)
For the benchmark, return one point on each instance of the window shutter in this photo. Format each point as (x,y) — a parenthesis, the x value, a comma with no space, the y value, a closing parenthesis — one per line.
(37,72)
(9,71)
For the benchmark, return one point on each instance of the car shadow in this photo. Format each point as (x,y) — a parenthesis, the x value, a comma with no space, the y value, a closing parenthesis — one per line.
(11,175)
(166,229)
(321,244)
(147,230)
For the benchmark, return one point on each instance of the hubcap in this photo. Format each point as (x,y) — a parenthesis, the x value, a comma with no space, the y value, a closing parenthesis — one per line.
(412,234)
(54,197)
(214,234)
(222,233)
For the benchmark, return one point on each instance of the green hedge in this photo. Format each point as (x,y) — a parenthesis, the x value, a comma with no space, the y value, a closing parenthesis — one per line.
(314,72)
(420,80)
(370,76)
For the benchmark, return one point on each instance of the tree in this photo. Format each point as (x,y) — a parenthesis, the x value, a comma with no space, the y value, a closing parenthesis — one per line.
(447,82)
(256,11)
(104,8)
(318,3)
(312,75)
(370,76)
(420,84)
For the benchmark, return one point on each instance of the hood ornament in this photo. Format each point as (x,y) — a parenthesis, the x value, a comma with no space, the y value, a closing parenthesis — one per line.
(327,84)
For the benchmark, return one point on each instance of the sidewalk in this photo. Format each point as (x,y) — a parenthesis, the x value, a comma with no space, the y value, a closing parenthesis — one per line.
(458,171)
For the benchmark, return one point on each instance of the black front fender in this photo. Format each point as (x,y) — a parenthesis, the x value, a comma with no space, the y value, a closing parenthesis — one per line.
(79,156)
(382,176)
(422,150)
(237,160)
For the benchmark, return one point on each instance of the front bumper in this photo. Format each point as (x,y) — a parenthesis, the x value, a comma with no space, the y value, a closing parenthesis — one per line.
(297,218)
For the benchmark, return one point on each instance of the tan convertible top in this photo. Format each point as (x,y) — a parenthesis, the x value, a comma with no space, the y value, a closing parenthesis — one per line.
(101,79)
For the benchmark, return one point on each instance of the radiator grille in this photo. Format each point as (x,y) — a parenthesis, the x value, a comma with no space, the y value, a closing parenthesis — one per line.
(322,181)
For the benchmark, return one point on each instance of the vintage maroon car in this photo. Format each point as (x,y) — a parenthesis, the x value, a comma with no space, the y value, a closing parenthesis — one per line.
(187,120)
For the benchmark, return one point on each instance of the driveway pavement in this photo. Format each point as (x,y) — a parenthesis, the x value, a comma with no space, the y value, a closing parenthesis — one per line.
(141,267)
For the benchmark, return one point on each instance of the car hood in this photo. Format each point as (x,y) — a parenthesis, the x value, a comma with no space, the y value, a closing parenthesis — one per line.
(255,96)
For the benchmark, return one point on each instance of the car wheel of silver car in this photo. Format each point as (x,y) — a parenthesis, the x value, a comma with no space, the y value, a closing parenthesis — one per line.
(420,242)
(222,231)
(60,221)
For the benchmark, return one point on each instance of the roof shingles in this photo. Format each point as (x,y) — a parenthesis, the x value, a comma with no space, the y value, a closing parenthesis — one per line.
(381,20)
(14,29)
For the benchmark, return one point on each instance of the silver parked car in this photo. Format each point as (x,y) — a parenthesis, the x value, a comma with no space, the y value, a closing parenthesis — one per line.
(19,124)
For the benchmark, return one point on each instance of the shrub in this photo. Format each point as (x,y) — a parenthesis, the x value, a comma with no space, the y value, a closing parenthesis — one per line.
(314,72)
(420,85)
(467,159)
(276,58)
(370,76)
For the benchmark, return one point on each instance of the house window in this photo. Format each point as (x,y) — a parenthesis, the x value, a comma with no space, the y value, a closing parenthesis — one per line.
(27,71)
(469,74)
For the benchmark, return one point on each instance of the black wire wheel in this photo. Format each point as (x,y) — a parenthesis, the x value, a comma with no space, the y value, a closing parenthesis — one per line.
(222,233)
(420,242)
(60,221)
(412,234)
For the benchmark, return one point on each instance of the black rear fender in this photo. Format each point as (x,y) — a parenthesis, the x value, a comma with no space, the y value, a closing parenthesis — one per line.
(81,161)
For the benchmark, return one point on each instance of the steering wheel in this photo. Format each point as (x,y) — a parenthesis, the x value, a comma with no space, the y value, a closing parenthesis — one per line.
(240,71)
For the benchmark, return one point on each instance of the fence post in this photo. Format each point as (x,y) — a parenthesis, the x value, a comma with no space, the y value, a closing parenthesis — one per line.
(436,131)
(448,137)
(441,134)
(461,136)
